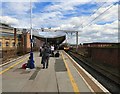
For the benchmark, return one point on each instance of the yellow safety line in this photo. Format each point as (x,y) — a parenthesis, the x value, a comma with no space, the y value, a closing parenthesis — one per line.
(74,85)
(12,66)
(80,74)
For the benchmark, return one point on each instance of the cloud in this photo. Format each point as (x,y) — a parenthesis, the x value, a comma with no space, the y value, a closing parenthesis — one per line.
(16,13)
(107,31)
(16,8)
(9,20)
(102,29)
(101,33)
(65,5)
(58,0)
(47,19)
(109,15)
(20,0)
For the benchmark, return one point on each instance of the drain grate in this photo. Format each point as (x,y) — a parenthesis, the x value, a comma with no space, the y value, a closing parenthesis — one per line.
(33,76)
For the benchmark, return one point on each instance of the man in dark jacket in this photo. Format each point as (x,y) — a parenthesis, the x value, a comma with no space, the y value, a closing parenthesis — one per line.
(45,56)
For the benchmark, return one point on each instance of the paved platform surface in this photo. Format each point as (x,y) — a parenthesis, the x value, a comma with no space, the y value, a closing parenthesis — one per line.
(60,76)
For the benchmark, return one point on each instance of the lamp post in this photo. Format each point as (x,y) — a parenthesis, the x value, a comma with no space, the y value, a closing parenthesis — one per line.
(31,66)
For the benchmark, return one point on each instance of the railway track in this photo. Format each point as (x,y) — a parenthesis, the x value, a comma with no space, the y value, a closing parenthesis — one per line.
(107,79)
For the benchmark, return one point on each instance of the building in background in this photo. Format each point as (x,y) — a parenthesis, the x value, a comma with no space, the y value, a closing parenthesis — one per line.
(8,41)
(13,41)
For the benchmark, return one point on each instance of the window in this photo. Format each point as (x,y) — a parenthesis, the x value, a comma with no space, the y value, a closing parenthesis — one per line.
(5,34)
(7,43)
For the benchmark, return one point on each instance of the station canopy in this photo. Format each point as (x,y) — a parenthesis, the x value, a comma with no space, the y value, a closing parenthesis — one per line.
(50,36)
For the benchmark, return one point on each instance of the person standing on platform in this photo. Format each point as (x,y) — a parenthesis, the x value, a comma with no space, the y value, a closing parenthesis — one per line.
(52,50)
(40,50)
(45,56)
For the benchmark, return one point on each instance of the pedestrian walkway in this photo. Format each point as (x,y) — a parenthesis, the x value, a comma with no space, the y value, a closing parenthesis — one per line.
(61,76)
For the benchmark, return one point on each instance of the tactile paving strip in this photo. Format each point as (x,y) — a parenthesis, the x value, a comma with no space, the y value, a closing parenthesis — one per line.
(33,76)
(60,66)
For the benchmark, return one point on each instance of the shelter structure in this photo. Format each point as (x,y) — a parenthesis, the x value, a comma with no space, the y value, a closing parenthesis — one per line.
(53,36)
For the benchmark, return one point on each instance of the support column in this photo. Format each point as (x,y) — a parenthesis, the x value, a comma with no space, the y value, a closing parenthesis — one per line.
(15,36)
(76,41)
(31,40)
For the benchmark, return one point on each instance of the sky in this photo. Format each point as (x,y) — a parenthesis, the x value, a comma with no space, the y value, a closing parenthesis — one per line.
(96,20)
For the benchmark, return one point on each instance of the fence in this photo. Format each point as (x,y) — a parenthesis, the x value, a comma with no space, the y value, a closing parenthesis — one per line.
(109,56)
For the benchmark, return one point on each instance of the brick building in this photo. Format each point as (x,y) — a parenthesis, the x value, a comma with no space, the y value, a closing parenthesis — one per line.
(13,41)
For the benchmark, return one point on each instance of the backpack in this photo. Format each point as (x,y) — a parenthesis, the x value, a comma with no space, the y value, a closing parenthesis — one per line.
(24,66)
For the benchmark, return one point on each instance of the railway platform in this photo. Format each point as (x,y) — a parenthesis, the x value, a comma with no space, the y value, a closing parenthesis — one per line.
(62,75)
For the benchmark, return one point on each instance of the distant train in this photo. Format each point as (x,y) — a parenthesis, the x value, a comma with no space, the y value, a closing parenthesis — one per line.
(66,48)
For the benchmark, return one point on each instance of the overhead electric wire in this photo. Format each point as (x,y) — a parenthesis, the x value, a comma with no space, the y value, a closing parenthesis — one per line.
(99,15)
(95,11)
